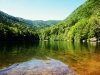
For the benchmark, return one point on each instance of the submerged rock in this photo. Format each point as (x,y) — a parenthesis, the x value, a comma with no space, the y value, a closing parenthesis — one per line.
(36,67)
(94,39)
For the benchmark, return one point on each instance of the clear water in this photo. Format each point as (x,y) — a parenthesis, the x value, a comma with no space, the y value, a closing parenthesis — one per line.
(49,58)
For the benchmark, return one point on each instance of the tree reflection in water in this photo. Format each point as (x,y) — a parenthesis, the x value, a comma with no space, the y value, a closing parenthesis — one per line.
(76,55)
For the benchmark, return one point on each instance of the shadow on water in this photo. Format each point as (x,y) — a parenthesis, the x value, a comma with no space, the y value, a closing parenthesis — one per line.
(76,55)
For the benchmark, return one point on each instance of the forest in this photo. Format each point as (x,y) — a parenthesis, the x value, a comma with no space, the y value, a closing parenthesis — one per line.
(82,24)
(15,28)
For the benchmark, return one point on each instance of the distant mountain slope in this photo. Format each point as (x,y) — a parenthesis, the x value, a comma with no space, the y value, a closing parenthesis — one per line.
(6,18)
(12,28)
(40,24)
(16,28)
(37,24)
(82,24)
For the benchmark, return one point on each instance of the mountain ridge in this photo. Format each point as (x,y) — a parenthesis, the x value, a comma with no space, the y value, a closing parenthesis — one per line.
(11,28)
(82,24)
(37,24)
(16,28)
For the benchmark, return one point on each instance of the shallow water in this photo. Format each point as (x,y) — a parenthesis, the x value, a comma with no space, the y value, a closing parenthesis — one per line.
(38,67)
(49,58)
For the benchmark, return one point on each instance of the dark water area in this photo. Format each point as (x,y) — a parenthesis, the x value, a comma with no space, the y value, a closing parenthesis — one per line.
(49,58)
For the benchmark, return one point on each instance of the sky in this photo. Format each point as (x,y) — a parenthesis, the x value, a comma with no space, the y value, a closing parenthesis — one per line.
(40,9)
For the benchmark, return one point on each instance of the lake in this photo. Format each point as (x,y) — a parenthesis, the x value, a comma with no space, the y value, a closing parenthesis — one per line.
(49,58)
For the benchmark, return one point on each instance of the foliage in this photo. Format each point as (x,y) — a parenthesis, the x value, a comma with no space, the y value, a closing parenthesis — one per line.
(82,24)
(40,24)
(12,29)
(15,28)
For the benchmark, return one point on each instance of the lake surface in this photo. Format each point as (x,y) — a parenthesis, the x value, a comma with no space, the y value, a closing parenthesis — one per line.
(49,58)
